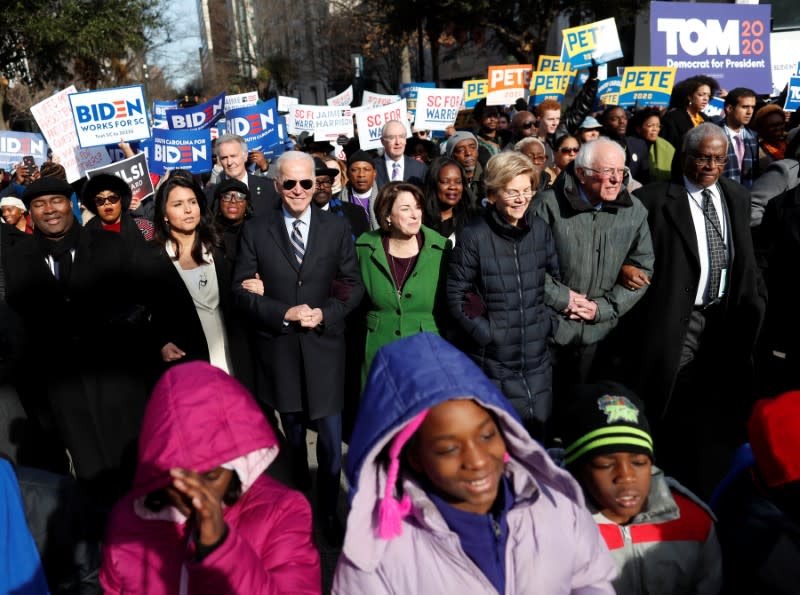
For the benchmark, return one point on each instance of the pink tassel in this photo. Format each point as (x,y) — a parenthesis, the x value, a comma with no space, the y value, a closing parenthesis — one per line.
(506,457)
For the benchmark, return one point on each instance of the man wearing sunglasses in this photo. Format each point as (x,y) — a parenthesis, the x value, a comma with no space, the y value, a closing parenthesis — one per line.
(690,340)
(232,154)
(597,227)
(306,258)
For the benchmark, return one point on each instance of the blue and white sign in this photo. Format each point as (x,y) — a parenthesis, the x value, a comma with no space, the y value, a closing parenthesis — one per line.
(437,108)
(16,145)
(109,116)
(729,42)
(180,149)
(257,124)
(197,117)
(793,96)
(160,112)
(408,91)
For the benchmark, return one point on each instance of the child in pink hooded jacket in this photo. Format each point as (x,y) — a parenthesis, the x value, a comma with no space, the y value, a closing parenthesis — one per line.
(202,517)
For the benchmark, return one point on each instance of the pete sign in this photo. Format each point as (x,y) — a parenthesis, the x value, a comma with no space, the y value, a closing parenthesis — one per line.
(256,124)
(370,122)
(728,42)
(549,85)
(508,83)
(474,91)
(109,116)
(598,40)
(180,149)
(646,85)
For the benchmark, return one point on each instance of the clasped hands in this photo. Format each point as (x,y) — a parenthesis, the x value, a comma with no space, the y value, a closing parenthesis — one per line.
(307,316)
(580,307)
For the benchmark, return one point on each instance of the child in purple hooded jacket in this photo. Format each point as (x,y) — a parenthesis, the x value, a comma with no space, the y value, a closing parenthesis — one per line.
(450,494)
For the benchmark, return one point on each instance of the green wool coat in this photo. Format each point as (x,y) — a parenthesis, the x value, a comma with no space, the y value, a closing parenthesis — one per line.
(419,307)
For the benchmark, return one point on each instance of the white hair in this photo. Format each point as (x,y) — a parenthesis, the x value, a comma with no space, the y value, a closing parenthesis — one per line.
(231,138)
(587,155)
(294,156)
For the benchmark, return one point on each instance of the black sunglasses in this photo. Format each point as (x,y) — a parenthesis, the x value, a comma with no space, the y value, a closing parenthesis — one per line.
(304,184)
(527,125)
(101,200)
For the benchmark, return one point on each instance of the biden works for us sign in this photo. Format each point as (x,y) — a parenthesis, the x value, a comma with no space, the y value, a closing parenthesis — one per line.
(109,116)
(729,42)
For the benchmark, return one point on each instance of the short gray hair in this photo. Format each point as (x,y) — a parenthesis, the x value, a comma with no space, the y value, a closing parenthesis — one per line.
(528,140)
(231,138)
(588,152)
(294,156)
(695,136)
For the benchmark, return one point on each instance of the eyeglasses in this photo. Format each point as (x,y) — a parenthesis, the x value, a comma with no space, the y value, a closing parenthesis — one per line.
(710,159)
(304,184)
(101,200)
(541,158)
(323,183)
(607,172)
(512,195)
(566,150)
(527,125)
(395,137)
(233,196)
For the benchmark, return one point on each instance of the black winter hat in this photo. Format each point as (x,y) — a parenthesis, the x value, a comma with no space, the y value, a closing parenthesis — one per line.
(604,418)
(102,182)
(230,184)
(44,186)
(359,155)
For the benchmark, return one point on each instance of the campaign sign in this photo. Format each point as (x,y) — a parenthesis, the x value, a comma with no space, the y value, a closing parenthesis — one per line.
(54,117)
(198,116)
(118,154)
(302,118)
(598,40)
(278,149)
(437,108)
(256,124)
(646,85)
(16,145)
(508,83)
(241,100)
(370,122)
(731,43)
(408,91)
(343,98)
(715,107)
(608,91)
(180,149)
(474,91)
(370,99)
(793,96)
(109,115)
(160,112)
(285,103)
(332,122)
(133,170)
(552,64)
(549,85)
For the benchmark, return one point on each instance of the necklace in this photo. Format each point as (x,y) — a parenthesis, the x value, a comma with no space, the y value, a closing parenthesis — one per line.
(400,281)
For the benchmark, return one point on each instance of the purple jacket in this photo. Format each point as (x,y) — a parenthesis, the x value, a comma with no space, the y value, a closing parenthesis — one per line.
(553,544)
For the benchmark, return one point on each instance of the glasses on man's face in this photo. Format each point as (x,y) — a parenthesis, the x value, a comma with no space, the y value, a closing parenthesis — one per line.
(608,172)
(539,158)
(527,125)
(513,195)
(233,196)
(394,137)
(705,160)
(304,184)
(324,183)
(571,150)
(101,200)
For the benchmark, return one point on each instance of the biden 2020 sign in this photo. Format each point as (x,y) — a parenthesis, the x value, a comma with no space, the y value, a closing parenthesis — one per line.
(729,42)
(109,116)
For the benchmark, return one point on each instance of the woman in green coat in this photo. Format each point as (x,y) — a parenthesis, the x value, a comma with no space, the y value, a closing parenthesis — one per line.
(402,265)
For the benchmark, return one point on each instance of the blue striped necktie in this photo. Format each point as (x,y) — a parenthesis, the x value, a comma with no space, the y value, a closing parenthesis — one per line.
(297,241)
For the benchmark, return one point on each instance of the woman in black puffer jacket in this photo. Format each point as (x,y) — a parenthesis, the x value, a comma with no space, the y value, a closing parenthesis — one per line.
(495,288)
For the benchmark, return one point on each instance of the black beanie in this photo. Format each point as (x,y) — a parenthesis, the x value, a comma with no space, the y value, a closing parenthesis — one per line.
(604,418)
(359,156)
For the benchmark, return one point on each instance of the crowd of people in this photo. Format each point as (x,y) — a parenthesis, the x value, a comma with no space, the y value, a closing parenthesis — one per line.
(506,327)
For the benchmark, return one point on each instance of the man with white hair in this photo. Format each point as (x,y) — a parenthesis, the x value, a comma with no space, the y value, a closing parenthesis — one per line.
(597,227)
(306,258)
(232,153)
(394,166)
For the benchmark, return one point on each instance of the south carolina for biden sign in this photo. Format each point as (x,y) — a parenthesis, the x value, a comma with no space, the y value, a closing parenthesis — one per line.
(109,116)
(729,42)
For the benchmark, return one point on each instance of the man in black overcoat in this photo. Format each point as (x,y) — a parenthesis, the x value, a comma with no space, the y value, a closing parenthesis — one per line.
(306,259)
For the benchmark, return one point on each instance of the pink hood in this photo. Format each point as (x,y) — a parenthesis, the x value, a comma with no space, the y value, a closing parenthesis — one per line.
(200,418)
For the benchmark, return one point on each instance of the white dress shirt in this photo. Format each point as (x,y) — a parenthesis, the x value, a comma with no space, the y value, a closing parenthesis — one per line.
(695,198)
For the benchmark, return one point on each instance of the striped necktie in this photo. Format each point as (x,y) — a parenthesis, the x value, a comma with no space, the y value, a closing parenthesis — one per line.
(395,171)
(297,241)
(717,253)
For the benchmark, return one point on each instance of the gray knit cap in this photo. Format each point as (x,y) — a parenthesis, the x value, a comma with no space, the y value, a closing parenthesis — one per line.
(457,138)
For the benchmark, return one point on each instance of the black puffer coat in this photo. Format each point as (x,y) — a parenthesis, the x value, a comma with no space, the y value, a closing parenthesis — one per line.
(504,267)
